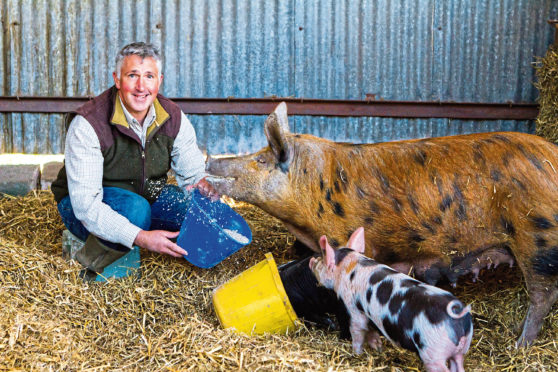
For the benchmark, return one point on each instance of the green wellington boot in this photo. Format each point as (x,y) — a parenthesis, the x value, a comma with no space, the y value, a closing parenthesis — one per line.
(102,262)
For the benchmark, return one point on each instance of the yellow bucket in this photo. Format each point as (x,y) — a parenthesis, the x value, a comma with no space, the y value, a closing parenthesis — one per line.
(255,301)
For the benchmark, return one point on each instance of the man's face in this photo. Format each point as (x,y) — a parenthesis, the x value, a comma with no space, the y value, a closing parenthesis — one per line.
(138,84)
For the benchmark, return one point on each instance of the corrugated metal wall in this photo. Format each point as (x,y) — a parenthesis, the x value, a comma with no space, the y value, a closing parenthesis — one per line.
(460,50)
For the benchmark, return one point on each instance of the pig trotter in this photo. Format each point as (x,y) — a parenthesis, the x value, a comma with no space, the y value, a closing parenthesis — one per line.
(357,334)
(542,298)
(373,339)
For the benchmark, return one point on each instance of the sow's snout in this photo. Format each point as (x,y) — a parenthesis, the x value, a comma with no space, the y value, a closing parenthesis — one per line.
(223,174)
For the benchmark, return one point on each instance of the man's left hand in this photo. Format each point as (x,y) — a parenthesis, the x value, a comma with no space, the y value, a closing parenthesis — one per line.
(205,189)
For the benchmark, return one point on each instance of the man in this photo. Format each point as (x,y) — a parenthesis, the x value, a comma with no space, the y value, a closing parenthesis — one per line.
(112,190)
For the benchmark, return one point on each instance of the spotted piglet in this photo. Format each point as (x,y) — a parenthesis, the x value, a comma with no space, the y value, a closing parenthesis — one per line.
(411,314)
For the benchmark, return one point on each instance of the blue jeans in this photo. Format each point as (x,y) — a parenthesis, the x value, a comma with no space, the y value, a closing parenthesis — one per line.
(166,213)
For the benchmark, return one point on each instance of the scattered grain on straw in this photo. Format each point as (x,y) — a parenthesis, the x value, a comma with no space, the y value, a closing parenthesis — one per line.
(164,320)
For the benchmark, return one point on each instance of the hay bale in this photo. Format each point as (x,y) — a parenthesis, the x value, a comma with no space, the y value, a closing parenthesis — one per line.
(51,320)
(547,84)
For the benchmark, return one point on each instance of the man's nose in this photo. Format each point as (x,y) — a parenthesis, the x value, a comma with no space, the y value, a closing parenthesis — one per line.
(140,83)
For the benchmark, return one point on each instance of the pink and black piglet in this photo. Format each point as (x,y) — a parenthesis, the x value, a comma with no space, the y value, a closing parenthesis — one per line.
(411,314)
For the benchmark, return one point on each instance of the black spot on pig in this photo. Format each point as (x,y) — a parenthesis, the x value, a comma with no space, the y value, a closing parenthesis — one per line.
(336,186)
(478,156)
(360,192)
(368,295)
(413,203)
(321,183)
(437,220)
(541,222)
(340,254)
(334,243)
(501,138)
(304,171)
(420,157)
(530,156)
(556,217)
(379,275)
(519,184)
(417,340)
(445,203)
(338,209)
(328,195)
(415,238)
(540,241)
(384,182)
(374,208)
(352,276)
(428,227)
(533,160)
(495,175)
(368,220)
(508,226)
(359,306)
(320,208)
(545,261)
(395,303)
(367,262)
(409,283)
(461,211)
(383,293)
(397,334)
(396,204)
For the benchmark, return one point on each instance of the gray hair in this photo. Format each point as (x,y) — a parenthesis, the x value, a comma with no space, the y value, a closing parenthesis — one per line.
(140,49)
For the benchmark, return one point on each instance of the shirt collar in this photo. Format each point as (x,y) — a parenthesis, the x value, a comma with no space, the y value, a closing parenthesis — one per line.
(149,118)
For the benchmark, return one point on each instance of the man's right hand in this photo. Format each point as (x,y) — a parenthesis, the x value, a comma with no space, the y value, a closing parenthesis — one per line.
(158,241)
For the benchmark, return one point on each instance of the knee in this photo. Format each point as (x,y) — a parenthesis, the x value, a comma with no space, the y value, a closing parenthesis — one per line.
(140,213)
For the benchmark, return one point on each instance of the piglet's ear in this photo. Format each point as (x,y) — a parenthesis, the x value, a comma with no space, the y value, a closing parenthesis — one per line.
(356,241)
(329,252)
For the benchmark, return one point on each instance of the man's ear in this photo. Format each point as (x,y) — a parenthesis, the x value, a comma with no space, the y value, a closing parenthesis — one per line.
(356,241)
(116,80)
(328,251)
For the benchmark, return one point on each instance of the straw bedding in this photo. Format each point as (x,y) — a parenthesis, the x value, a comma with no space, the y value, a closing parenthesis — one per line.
(547,84)
(164,320)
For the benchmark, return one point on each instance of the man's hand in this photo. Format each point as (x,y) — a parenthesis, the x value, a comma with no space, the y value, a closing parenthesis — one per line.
(205,189)
(158,241)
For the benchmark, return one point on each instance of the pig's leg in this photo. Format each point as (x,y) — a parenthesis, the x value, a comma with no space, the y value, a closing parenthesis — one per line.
(543,293)
(436,366)
(358,332)
(373,339)
(456,363)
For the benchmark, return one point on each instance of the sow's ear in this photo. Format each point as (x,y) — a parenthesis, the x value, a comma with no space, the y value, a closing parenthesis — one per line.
(328,251)
(276,129)
(356,241)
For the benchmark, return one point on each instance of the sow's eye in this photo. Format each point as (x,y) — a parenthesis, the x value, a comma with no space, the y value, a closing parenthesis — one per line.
(261,160)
